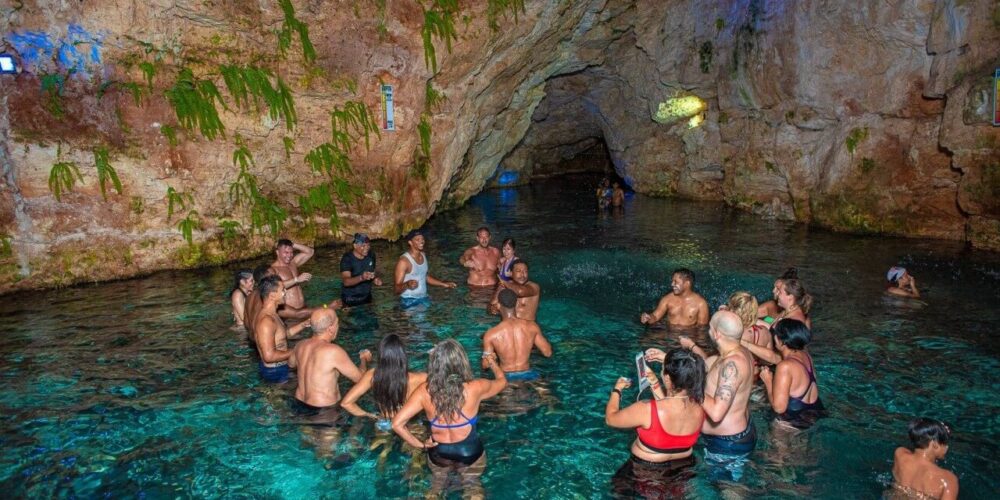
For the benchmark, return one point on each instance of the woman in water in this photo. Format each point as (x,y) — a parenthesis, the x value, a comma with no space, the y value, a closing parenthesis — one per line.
(915,472)
(667,428)
(243,284)
(450,399)
(745,306)
(792,388)
(391,383)
(507,258)
(794,301)
(770,308)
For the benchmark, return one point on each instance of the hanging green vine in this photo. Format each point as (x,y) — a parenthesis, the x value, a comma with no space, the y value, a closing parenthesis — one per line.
(433,99)
(496,8)
(178,199)
(187,225)
(245,191)
(62,177)
(170,133)
(439,22)
(105,172)
(52,90)
(250,85)
(194,100)
(230,230)
(351,123)
(291,25)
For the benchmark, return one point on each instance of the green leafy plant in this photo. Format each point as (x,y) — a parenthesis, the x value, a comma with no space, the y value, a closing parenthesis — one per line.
(291,25)
(705,56)
(242,156)
(854,138)
(495,8)
(149,71)
(194,101)
(350,123)
(289,146)
(424,129)
(433,99)
(62,178)
(52,90)
(105,172)
(250,85)
(421,164)
(439,22)
(178,199)
(328,159)
(187,225)
(264,212)
(380,14)
(170,133)
(230,230)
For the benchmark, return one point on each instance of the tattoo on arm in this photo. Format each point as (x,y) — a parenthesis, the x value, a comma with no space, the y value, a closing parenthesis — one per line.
(728,380)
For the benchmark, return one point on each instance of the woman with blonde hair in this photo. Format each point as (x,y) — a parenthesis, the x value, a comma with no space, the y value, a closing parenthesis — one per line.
(744,304)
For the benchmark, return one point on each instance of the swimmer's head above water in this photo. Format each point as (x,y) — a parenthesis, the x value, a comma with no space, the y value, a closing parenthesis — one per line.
(926,432)
(681,280)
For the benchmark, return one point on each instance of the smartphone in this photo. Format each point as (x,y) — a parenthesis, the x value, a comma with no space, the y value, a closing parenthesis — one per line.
(640,370)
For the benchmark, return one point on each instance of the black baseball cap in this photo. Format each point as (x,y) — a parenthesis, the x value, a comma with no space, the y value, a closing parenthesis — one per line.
(361,239)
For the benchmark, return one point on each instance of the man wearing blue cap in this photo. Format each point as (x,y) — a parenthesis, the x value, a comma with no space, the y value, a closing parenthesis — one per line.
(357,267)
(901,283)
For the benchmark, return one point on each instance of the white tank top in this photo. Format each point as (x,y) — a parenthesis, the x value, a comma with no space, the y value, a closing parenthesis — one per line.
(417,272)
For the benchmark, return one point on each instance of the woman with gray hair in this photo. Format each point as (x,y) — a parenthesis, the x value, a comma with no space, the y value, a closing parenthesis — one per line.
(450,398)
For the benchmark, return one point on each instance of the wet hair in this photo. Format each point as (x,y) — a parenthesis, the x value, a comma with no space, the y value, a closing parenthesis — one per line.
(744,304)
(686,274)
(687,372)
(507,298)
(924,431)
(797,290)
(519,261)
(483,228)
(509,241)
(240,275)
(284,242)
(267,285)
(792,273)
(793,333)
(448,370)
(260,272)
(391,375)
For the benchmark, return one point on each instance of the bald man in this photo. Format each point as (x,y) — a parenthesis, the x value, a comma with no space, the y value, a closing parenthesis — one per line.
(728,432)
(320,363)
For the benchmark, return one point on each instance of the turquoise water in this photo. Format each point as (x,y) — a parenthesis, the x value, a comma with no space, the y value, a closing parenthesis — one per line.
(140,388)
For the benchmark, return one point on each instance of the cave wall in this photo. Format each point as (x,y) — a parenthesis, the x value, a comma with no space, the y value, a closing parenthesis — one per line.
(864,116)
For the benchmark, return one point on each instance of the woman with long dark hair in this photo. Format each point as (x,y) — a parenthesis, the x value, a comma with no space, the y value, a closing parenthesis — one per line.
(667,428)
(391,383)
(450,399)
(792,388)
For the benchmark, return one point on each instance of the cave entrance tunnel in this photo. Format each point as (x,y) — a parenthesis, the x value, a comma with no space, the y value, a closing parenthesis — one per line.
(588,156)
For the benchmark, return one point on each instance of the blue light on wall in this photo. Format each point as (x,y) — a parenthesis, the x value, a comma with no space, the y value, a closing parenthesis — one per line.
(507,178)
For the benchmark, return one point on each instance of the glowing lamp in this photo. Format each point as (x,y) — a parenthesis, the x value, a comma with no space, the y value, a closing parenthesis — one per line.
(7,64)
(679,108)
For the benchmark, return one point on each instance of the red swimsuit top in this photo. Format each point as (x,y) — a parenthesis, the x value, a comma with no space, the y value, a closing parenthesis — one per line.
(658,440)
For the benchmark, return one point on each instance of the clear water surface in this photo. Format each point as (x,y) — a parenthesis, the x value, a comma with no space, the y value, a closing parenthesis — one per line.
(139,387)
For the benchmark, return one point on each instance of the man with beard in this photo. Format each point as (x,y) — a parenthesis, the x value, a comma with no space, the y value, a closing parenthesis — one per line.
(682,307)
(411,276)
(289,256)
(270,333)
(481,260)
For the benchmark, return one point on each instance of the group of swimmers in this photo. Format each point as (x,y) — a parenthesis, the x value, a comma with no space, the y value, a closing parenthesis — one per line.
(697,395)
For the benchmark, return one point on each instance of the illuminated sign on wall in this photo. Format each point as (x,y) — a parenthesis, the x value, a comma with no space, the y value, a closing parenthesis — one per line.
(996,95)
(388,123)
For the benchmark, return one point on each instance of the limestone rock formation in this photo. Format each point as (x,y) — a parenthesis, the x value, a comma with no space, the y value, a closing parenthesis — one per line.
(858,116)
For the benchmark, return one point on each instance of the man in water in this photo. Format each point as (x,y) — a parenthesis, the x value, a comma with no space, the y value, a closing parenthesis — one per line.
(512,341)
(915,472)
(901,283)
(254,302)
(270,334)
(357,268)
(411,276)
(728,432)
(481,260)
(683,306)
(617,195)
(320,363)
(528,292)
(286,265)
